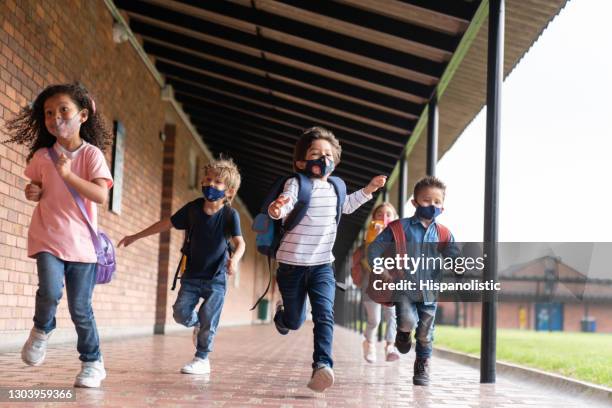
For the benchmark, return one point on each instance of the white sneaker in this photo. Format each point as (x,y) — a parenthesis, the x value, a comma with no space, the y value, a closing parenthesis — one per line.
(322,378)
(197,366)
(391,353)
(91,375)
(34,350)
(369,351)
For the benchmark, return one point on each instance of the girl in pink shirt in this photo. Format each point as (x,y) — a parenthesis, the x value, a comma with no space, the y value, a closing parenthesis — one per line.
(64,118)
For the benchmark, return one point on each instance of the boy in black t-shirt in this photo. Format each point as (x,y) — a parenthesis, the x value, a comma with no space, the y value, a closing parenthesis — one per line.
(207,220)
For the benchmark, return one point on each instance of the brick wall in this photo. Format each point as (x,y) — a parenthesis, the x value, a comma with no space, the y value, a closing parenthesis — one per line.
(41,45)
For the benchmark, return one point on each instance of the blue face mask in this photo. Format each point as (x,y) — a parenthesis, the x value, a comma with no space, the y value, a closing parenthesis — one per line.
(428,213)
(212,194)
(321,163)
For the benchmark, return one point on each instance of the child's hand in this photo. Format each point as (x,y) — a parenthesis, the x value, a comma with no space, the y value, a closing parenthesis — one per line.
(64,166)
(231,266)
(378,227)
(127,240)
(33,192)
(374,184)
(274,210)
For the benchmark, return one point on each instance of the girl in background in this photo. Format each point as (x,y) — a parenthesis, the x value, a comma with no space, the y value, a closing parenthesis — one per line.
(382,215)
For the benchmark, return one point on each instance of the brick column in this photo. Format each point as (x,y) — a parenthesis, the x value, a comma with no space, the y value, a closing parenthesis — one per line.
(164,238)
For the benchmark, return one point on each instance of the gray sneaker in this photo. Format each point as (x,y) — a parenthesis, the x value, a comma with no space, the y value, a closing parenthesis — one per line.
(322,378)
(91,375)
(34,350)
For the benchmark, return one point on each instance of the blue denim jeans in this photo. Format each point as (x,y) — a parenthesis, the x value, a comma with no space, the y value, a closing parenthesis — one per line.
(213,292)
(372,311)
(80,281)
(318,281)
(418,317)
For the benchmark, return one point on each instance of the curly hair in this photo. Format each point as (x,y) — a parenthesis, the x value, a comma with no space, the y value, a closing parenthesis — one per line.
(28,126)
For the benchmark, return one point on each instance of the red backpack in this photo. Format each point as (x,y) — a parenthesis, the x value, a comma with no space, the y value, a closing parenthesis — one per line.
(385,297)
(358,272)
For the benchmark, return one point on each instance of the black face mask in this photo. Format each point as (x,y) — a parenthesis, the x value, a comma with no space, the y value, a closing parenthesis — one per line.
(321,163)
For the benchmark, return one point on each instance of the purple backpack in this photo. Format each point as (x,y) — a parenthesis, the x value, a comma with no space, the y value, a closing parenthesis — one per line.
(105,251)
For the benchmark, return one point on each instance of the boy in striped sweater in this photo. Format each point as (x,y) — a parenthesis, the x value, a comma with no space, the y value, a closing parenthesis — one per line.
(305,253)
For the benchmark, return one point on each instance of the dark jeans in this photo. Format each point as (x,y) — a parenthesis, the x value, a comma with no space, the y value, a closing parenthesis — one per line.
(213,291)
(318,281)
(418,317)
(80,281)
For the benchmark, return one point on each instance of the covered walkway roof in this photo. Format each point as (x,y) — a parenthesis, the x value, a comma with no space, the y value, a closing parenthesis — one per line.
(251,74)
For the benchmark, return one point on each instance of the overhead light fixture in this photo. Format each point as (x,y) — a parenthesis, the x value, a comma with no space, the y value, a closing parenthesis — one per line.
(120,33)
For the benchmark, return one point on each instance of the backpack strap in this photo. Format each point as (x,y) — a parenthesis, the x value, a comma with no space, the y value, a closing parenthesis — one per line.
(275,190)
(81,205)
(228,226)
(444,237)
(399,237)
(340,188)
(229,221)
(191,219)
(302,204)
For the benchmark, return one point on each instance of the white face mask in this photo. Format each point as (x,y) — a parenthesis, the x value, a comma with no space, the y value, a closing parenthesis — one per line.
(65,128)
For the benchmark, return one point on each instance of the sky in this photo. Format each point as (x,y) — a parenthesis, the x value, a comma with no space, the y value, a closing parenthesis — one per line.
(556,140)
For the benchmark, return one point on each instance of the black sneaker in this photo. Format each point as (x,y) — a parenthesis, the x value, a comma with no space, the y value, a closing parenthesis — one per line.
(278,320)
(403,342)
(421,371)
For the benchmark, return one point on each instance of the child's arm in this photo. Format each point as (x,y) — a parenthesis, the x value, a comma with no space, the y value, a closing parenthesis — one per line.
(33,191)
(378,247)
(358,198)
(285,202)
(95,190)
(234,260)
(159,226)
(451,250)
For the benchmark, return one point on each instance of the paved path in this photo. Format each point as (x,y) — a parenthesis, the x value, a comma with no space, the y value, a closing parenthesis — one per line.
(253,366)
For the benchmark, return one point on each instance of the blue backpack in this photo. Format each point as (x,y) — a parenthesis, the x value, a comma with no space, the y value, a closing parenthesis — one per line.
(270,231)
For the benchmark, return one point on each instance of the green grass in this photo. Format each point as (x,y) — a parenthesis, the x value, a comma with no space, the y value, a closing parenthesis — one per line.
(583,356)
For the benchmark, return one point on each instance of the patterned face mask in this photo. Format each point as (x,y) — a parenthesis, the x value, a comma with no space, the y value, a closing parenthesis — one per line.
(212,194)
(64,128)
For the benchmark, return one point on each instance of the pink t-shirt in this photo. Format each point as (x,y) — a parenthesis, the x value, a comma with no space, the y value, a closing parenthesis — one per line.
(57,225)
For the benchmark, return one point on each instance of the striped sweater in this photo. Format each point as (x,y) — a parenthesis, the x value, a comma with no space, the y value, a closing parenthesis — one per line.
(312,240)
